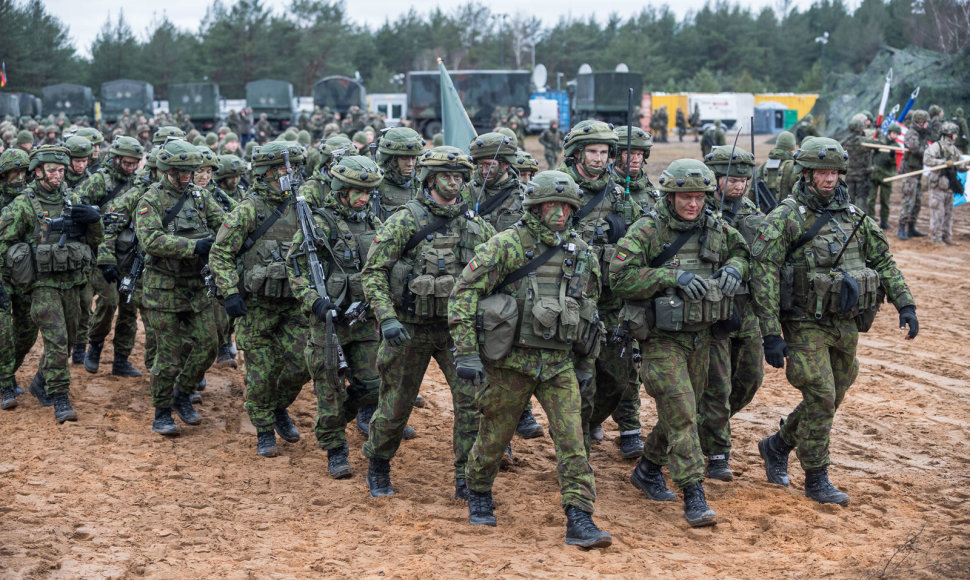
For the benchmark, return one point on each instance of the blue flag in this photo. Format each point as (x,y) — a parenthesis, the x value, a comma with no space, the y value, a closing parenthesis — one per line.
(456,127)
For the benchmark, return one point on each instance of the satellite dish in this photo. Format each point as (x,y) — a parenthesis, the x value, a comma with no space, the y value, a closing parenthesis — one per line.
(539,76)
(585,69)
(622,68)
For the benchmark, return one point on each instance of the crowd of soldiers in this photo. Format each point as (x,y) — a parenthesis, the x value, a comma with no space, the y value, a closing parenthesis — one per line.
(351,264)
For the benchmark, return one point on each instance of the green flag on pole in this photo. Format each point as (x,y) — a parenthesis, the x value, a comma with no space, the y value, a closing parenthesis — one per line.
(456,127)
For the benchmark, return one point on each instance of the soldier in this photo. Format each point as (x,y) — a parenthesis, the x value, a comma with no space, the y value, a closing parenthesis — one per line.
(80,153)
(663,123)
(49,239)
(860,162)
(713,137)
(883,166)
(124,155)
(96,138)
(397,154)
(681,122)
(494,189)
(937,118)
(815,307)
(695,121)
(943,184)
(963,135)
(589,149)
(228,175)
(562,275)
(24,141)
(264,129)
(317,187)
(915,144)
(408,275)
(525,166)
(642,190)
(687,264)
(551,141)
(736,367)
(346,225)
(175,222)
(778,172)
(805,128)
(270,325)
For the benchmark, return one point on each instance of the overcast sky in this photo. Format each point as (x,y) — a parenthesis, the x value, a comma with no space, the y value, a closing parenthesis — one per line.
(85,18)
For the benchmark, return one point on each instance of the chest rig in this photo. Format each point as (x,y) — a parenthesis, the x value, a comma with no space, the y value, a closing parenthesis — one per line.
(264,263)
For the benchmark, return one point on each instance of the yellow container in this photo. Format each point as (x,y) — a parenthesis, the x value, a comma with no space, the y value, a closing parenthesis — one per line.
(801,102)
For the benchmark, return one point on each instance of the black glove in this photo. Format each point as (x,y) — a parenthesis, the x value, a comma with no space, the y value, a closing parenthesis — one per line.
(584,378)
(235,306)
(469,368)
(4,299)
(394,332)
(907,317)
(321,306)
(202,247)
(693,287)
(110,273)
(776,349)
(85,214)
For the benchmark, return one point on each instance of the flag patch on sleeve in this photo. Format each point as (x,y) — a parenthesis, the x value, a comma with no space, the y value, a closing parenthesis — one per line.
(143,211)
(621,256)
(473,265)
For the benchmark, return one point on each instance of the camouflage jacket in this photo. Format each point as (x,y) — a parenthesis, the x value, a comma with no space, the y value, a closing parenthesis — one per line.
(642,190)
(225,200)
(388,250)
(773,247)
(860,158)
(8,193)
(124,204)
(500,256)
(103,186)
(915,143)
(778,173)
(551,140)
(316,189)
(74,180)
(884,162)
(395,190)
(505,213)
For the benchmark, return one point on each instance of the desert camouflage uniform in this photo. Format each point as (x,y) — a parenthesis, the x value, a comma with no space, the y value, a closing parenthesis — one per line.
(915,143)
(940,190)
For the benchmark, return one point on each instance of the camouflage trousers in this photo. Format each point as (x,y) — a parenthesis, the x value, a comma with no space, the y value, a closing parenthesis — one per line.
(859,193)
(552,159)
(337,404)
(185,346)
(402,371)
(151,345)
(941,216)
(735,375)
(674,373)
(912,200)
(822,365)
(18,333)
(126,324)
(881,192)
(616,382)
(86,296)
(223,324)
(273,337)
(501,401)
(55,312)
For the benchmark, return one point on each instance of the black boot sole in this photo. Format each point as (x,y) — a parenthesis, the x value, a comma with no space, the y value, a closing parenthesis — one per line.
(605,540)
(703,521)
(38,391)
(643,486)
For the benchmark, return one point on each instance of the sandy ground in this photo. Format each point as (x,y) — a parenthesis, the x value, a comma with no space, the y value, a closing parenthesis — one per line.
(105,498)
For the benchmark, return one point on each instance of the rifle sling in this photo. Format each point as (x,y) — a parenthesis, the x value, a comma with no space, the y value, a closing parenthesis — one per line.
(419,235)
(494,202)
(265,226)
(174,211)
(526,269)
(673,248)
(822,219)
(591,204)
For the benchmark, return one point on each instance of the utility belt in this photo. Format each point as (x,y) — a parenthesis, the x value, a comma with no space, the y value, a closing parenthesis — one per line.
(268,276)
(669,312)
(26,264)
(549,324)
(837,293)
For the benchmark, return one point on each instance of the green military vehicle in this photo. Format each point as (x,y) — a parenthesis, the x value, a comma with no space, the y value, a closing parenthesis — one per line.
(481,92)
(9,105)
(339,94)
(604,96)
(200,101)
(116,96)
(274,98)
(72,100)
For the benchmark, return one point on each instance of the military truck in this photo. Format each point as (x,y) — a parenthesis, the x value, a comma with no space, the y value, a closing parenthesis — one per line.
(72,100)
(200,101)
(604,95)
(116,96)
(274,98)
(485,94)
(339,94)
(30,105)
(9,105)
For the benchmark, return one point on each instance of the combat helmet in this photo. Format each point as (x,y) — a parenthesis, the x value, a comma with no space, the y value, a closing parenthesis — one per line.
(894,127)
(508,132)
(640,139)
(821,153)
(337,145)
(49,154)
(399,141)
(443,159)
(949,128)
(524,161)
(588,132)
(79,147)
(785,141)
(91,134)
(229,166)
(13,159)
(920,116)
(209,159)
(741,162)
(355,171)
(552,186)
(935,110)
(687,175)
(163,133)
(178,154)
(492,145)
(857,123)
(271,154)
(150,160)
(126,147)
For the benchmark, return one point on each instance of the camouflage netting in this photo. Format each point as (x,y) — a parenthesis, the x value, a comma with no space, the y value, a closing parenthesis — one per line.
(943,80)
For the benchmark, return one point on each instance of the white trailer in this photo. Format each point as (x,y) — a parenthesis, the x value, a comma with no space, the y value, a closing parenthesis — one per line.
(728,108)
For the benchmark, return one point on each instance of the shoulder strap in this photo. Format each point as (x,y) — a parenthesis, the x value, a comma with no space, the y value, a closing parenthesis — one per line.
(525,270)
(820,221)
(673,248)
(494,202)
(422,233)
(591,204)
(114,192)
(265,226)
(170,214)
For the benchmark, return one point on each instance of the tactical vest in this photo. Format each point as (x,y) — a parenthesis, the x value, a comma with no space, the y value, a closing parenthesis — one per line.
(555,314)
(112,187)
(348,243)
(50,255)
(775,173)
(812,286)
(190,222)
(506,213)
(221,197)
(394,196)
(913,158)
(596,228)
(264,264)
(422,280)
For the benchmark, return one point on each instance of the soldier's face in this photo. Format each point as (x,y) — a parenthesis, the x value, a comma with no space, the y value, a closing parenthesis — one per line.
(595,158)
(230,183)
(78,165)
(733,187)
(179,178)
(405,164)
(357,198)
(491,169)
(97,151)
(688,205)
(202,176)
(636,160)
(825,180)
(231,146)
(128,165)
(52,175)
(15,177)
(448,184)
(526,176)
(555,214)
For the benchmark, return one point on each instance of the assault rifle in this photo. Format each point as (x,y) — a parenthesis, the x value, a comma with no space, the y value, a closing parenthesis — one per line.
(127,284)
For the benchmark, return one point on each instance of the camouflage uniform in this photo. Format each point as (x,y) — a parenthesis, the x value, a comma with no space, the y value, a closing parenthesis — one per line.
(860,162)
(642,190)
(551,141)
(396,189)
(915,143)
(778,171)
(940,188)
(884,165)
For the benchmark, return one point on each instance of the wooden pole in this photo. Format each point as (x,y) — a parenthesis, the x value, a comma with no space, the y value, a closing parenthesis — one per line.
(918,171)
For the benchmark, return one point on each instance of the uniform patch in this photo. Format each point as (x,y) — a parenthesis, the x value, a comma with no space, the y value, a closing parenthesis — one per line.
(226,224)
(621,256)
(143,211)
(473,265)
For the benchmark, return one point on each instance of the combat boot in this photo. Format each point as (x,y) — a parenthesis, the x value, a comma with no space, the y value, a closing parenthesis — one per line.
(818,487)
(507,461)
(901,234)
(164,424)
(8,397)
(226,357)
(915,233)
(266,444)
(285,427)
(379,477)
(775,453)
(420,402)
(184,409)
(196,397)
(696,511)
(717,467)
(337,462)
(37,389)
(582,532)
(461,489)
(92,359)
(596,433)
(528,428)
(883,224)
(481,510)
(77,354)
(630,445)
(408,433)
(17,389)
(62,408)
(648,478)
(122,368)
(364,415)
